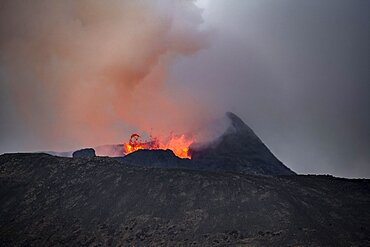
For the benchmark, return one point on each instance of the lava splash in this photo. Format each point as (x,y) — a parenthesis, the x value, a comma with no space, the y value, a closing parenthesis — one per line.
(179,144)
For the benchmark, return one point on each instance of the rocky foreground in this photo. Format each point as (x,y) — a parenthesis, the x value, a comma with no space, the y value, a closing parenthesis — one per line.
(54,201)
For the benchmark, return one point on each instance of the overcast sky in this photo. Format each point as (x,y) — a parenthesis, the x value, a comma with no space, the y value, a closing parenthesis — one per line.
(297,71)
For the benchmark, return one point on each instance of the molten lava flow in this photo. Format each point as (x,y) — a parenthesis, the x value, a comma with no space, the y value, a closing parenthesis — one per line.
(179,144)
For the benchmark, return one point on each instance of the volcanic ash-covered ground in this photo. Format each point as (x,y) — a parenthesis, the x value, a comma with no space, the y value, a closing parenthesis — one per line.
(48,201)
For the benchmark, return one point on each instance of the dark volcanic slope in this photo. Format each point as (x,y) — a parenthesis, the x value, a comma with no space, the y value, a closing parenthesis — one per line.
(239,150)
(157,158)
(46,200)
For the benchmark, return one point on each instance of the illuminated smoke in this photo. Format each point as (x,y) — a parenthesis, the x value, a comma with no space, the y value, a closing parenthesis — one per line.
(89,72)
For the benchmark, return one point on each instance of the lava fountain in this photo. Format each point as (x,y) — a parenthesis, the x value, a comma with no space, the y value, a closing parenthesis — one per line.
(179,144)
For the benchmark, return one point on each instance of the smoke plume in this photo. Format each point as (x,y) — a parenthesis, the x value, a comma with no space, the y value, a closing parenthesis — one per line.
(88,72)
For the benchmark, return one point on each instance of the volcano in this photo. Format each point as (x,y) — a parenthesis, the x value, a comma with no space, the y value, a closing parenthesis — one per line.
(238,150)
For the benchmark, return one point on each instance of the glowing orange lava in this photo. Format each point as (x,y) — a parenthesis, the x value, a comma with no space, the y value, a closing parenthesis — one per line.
(179,144)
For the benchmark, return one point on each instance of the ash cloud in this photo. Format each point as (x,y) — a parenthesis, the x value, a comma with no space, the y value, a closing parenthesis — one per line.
(86,72)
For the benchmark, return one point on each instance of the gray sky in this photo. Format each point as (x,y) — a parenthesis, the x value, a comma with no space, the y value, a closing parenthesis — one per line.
(297,71)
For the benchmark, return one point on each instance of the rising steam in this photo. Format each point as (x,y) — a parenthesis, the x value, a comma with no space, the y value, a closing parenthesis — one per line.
(82,72)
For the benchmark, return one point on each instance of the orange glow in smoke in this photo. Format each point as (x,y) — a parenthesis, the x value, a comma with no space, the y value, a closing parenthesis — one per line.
(179,144)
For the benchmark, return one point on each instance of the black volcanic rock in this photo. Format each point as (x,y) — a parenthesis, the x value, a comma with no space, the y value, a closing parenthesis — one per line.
(238,150)
(84,153)
(55,201)
(157,158)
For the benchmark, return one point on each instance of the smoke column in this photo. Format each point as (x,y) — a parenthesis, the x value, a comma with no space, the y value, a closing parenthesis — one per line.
(88,72)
